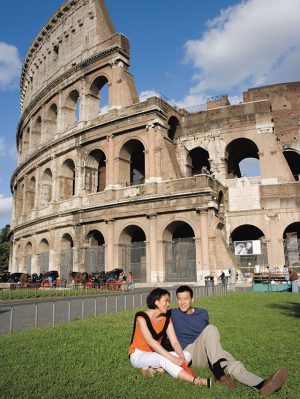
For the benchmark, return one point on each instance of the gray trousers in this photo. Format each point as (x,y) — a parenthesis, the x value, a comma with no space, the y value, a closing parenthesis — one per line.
(208,347)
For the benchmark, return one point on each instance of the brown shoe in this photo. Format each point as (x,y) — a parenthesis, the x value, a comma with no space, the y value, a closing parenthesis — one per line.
(274,382)
(226,380)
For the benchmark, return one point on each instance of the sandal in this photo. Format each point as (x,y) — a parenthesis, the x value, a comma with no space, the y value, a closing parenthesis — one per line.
(208,381)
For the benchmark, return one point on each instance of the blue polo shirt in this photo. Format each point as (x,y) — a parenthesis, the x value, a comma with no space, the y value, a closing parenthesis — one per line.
(189,326)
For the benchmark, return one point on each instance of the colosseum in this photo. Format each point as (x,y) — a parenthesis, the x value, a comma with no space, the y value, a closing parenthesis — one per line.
(145,185)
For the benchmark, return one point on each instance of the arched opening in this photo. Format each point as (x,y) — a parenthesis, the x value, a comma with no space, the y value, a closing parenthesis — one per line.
(291,243)
(174,129)
(31,195)
(132,163)
(94,254)
(293,159)
(66,257)
(179,252)
(95,172)
(67,179)
(98,97)
(249,246)
(72,109)
(133,252)
(36,134)
(242,158)
(198,162)
(52,121)
(44,256)
(46,188)
(28,259)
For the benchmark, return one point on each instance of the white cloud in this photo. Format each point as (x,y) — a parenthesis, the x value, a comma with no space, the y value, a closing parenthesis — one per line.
(5,209)
(147,94)
(253,43)
(10,66)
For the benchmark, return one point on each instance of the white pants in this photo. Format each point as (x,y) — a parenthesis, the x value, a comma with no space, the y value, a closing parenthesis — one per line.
(140,359)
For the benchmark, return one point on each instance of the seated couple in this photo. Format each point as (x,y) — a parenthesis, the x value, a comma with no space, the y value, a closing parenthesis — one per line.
(190,338)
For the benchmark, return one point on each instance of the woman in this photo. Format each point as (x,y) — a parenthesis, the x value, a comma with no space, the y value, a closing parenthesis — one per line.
(150,327)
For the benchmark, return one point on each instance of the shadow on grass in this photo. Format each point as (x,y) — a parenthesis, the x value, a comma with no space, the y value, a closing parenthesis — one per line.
(291,309)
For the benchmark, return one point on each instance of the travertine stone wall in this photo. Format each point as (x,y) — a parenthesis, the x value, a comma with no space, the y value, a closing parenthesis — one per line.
(143,174)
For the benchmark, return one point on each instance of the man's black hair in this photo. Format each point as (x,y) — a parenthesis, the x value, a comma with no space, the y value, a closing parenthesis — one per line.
(155,295)
(185,288)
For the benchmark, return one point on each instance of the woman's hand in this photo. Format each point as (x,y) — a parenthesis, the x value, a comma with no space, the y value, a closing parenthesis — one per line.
(176,360)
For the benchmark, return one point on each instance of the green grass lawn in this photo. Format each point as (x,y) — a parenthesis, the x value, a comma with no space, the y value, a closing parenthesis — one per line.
(88,358)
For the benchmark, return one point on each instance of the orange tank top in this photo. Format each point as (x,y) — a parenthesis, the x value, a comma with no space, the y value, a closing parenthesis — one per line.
(138,340)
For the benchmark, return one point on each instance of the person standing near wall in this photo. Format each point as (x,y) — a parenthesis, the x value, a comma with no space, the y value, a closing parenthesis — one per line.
(293,277)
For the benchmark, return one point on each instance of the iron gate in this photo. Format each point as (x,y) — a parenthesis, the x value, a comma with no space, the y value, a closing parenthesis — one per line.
(66,264)
(180,260)
(134,260)
(44,262)
(28,264)
(94,259)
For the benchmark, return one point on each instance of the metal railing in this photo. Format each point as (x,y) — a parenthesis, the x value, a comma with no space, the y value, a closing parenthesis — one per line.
(20,315)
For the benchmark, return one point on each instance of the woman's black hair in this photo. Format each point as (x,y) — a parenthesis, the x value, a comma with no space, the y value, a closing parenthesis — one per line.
(155,295)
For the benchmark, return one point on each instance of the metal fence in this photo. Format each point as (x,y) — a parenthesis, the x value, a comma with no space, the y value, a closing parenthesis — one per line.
(17,317)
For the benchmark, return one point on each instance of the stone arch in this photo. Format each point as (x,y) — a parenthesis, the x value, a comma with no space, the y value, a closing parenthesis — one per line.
(132,163)
(46,188)
(241,150)
(98,99)
(66,256)
(174,128)
(67,179)
(95,171)
(72,109)
(179,252)
(95,252)
(291,244)
(198,161)
(36,133)
(43,256)
(52,121)
(248,244)
(133,252)
(293,159)
(30,195)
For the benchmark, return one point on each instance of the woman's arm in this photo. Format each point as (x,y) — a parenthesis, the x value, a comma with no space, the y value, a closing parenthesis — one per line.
(174,341)
(156,345)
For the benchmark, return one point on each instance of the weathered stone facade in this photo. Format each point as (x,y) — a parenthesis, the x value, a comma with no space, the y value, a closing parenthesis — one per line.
(145,186)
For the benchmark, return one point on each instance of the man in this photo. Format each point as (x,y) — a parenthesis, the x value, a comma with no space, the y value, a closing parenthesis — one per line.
(203,342)
(293,277)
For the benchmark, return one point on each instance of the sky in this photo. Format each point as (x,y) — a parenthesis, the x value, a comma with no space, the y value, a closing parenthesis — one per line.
(185,50)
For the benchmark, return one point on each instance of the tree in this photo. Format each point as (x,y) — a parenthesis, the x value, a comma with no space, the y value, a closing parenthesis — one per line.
(4,248)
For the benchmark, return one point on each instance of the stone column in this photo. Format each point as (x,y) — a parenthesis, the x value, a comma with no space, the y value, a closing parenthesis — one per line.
(109,248)
(152,260)
(204,242)
(110,163)
(152,159)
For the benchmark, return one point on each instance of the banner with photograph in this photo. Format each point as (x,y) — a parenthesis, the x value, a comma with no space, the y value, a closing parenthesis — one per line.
(249,247)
